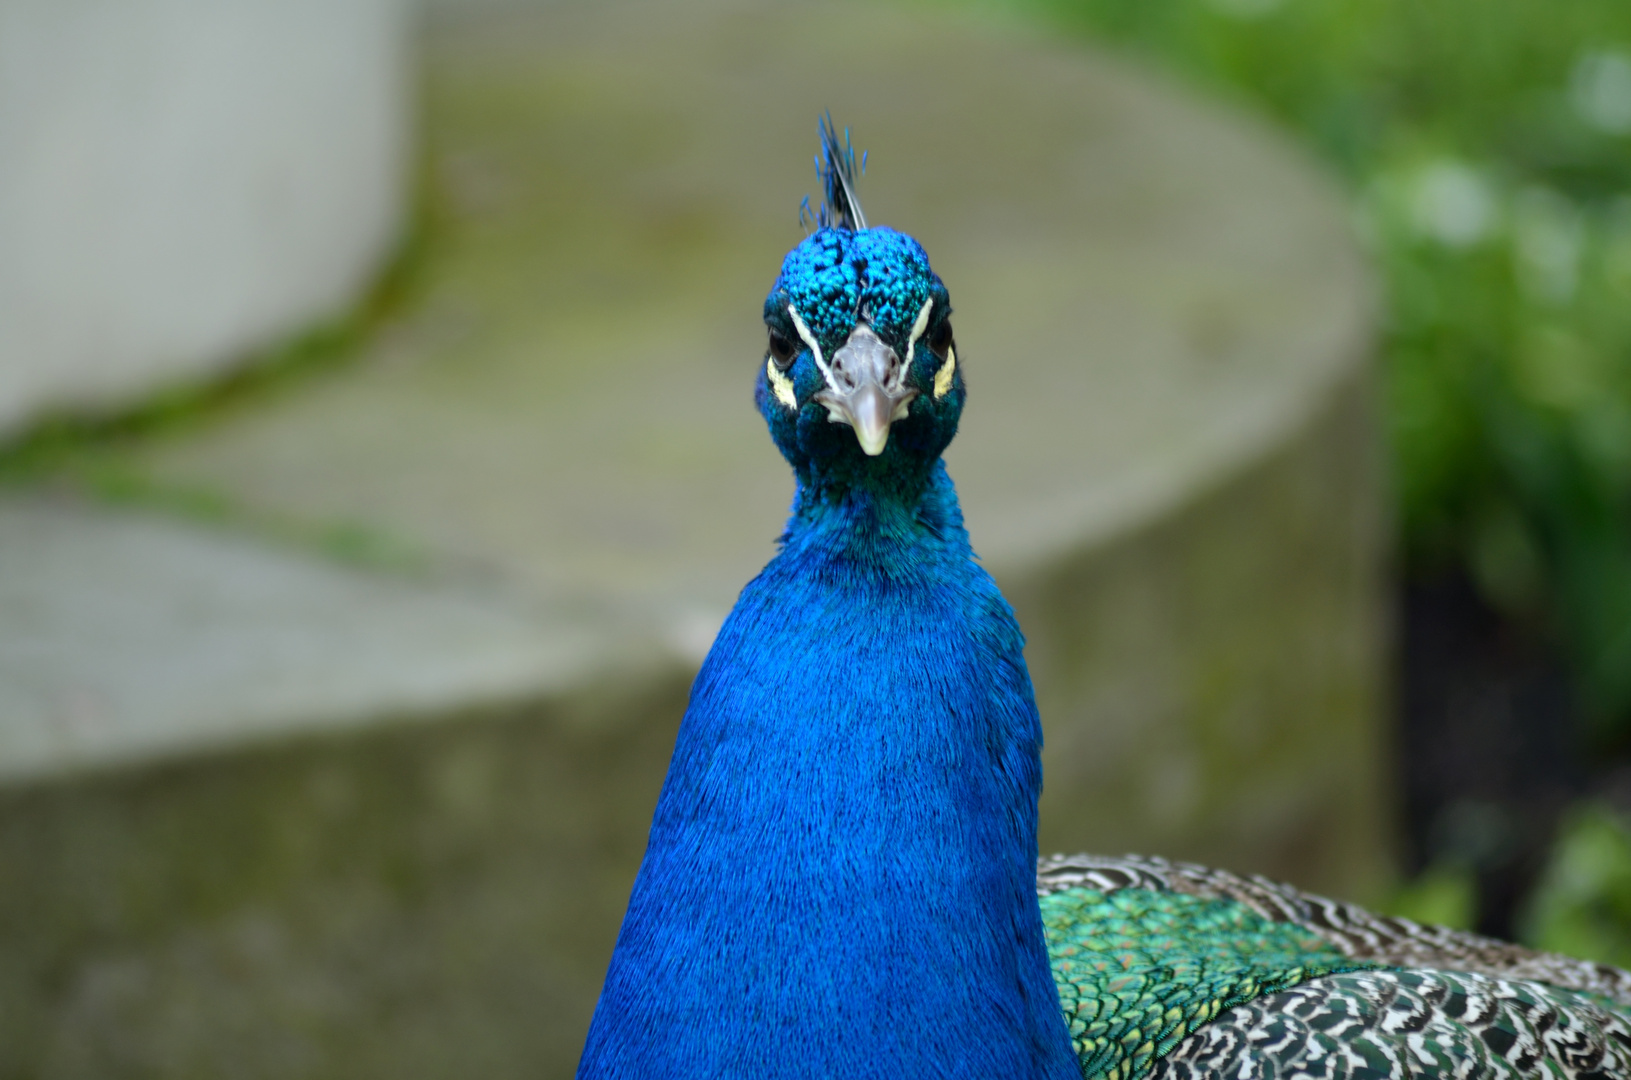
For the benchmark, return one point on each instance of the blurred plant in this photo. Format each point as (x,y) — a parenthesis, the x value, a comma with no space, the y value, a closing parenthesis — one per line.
(1441,895)
(1489,145)
(1582,905)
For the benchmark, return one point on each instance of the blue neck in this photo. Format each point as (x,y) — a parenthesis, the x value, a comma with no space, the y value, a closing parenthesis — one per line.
(840,880)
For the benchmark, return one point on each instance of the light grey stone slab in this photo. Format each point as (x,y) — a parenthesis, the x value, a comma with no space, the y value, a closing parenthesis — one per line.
(184,181)
(125,638)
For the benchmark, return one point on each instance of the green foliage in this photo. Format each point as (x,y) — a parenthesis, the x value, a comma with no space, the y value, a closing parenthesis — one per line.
(1582,905)
(1441,895)
(1488,145)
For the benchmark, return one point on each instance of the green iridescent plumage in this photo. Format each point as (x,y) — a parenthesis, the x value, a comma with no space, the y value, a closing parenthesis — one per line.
(1139,969)
(1173,971)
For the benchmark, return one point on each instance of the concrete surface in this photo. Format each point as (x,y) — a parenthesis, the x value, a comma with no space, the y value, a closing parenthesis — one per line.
(130,637)
(185,181)
(247,863)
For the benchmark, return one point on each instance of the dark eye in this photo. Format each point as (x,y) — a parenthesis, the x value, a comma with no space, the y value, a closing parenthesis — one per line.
(781,350)
(940,338)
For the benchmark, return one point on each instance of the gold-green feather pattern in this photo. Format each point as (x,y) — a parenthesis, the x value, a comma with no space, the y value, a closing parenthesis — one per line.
(1138,970)
(1173,970)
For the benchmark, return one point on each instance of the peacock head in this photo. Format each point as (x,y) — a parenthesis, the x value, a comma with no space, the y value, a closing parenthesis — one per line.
(860,382)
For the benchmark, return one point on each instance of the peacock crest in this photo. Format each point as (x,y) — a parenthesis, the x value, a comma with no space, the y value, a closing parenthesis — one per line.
(836,170)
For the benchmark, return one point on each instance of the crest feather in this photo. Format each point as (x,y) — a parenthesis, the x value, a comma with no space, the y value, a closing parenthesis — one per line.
(835,168)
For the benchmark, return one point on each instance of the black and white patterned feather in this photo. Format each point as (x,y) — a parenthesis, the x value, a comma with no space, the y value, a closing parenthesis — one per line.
(1438,1003)
(1357,933)
(1397,1024)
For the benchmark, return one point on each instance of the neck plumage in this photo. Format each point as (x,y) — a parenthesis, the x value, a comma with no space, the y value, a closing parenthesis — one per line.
(840,879)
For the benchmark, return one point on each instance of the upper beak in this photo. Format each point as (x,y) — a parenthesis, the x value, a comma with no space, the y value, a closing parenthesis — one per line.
(868,392)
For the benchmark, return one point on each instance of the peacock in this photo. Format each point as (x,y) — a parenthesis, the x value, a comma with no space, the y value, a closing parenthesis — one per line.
(842,879)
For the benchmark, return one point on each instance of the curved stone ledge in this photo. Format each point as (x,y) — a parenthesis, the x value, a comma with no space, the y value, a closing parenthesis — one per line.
(1168,461)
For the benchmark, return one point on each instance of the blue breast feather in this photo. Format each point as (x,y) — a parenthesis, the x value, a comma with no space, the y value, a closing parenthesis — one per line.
(839,880)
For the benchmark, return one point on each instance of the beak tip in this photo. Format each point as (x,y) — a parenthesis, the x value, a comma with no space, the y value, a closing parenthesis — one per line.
(873,436)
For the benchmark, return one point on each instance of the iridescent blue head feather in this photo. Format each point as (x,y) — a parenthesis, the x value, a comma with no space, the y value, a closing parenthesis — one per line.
(860,383)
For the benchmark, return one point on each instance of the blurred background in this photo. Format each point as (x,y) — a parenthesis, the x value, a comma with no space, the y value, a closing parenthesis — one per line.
(1484,151)
(377,462)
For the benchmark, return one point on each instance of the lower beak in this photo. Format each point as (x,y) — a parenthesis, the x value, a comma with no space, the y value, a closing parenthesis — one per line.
(870,410)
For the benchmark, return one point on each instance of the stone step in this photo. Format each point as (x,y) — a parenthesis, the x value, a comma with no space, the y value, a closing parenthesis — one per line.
(130,638)
(271,814)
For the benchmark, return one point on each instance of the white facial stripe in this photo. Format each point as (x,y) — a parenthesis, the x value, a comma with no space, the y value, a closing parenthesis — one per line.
(782,385)
(809,339)
(918,327)
(942,378)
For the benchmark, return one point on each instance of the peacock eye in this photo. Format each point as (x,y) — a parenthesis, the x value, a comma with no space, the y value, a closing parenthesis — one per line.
(940,338)
(781,351)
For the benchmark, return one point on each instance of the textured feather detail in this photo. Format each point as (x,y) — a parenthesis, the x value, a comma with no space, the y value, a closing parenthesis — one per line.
(1356,933)
(835,168)
(1137,969)
(1399,1024)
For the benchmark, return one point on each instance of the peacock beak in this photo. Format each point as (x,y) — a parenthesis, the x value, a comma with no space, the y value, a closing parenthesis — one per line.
(866,388)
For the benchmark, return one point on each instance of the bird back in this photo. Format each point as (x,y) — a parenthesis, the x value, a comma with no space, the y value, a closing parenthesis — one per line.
(1175,970)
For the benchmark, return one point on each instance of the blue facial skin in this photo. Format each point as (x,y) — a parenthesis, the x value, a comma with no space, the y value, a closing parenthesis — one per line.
(840,878)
